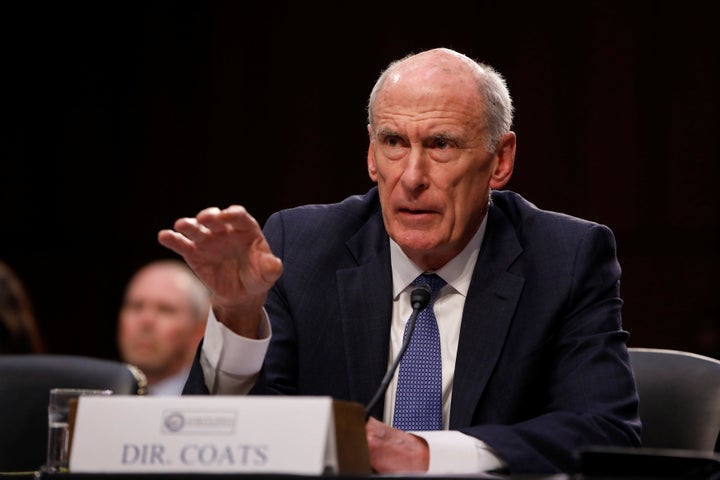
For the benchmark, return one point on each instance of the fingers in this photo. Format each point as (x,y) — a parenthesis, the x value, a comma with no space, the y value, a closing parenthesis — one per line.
(181,240)
(212,219)
(207,222)
(235,217)
(192,229)
(176,242)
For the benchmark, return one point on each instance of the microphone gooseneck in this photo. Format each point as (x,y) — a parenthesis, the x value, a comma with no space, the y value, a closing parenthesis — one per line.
(419,299)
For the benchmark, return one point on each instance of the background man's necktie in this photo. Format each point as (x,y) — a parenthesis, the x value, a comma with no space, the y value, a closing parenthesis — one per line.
(418,402)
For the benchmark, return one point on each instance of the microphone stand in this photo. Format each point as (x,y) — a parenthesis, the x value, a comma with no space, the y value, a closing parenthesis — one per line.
(419,299)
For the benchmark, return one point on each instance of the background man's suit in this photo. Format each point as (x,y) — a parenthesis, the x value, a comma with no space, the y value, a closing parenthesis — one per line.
(541,365)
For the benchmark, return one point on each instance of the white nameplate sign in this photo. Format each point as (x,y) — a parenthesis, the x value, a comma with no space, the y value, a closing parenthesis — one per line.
(202,433)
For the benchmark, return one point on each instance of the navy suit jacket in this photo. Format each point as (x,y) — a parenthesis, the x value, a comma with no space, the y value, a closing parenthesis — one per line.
(542,367)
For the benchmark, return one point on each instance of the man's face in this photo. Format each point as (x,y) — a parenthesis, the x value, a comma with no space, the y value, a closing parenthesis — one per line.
(157,331)
(429,156)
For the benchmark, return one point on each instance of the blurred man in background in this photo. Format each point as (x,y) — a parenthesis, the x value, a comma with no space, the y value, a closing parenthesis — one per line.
(161,322)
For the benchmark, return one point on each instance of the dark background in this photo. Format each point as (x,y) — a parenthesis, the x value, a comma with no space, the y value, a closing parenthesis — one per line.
(116,118)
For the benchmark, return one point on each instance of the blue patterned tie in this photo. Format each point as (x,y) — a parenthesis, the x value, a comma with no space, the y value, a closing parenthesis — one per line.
(418,402)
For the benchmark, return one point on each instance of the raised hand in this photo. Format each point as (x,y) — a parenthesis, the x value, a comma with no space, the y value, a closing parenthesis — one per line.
(229,253)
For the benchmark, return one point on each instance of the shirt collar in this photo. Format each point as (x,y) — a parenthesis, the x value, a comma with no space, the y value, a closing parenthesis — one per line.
(457,272)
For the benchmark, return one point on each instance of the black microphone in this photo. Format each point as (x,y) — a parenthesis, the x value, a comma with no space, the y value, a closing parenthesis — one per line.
(419,299)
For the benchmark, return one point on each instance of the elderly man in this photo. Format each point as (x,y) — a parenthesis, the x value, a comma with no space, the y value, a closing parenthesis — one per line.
(527,338)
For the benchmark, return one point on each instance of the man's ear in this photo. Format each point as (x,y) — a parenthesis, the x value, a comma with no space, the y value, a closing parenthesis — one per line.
(372,166)
(505,161)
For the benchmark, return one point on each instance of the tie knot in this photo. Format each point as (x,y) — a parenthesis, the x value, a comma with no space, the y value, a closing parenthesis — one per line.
(433,281)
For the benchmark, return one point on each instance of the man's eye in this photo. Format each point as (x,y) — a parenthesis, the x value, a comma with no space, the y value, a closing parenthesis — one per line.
(166,309)
(442,143)
(132,306)
(392,141)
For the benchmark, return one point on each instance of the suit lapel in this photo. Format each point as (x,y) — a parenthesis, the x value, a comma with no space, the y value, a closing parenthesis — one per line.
(492,298)
(365,293)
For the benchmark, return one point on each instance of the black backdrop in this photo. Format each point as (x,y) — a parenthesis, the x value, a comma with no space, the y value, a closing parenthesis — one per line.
(119,117)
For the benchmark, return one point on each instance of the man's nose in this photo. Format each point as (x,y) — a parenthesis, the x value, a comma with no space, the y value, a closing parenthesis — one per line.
(415,172)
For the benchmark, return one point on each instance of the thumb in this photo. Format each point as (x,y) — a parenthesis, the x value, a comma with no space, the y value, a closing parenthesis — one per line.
(270,268)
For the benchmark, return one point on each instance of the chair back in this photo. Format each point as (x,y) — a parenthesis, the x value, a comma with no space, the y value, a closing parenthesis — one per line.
(25,383)
(679,398)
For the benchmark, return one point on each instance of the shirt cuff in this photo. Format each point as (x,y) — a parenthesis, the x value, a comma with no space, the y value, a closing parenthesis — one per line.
(455,452)
(231,362)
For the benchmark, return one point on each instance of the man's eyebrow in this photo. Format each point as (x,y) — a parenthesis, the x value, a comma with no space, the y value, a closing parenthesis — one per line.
(444,136)
(447,137)
(439,136)
(387,132)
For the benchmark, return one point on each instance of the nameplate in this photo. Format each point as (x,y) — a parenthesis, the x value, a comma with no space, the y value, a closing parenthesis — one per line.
(208,434)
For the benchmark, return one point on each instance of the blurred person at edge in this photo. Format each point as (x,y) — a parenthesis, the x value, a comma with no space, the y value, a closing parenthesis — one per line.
(19,331)
(161,322)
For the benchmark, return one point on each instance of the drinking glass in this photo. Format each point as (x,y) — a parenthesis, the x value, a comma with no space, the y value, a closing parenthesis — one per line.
(61,410)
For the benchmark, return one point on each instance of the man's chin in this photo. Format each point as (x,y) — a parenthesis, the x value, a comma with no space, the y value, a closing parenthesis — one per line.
(416,241)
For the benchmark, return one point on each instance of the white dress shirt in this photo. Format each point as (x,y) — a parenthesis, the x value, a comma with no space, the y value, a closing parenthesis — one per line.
(231,362)
(170,386)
